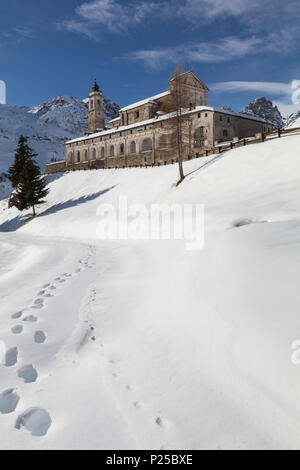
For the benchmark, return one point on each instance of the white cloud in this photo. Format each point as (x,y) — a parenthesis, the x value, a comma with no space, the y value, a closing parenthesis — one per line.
(112,15)
(117,16)
(24,31)
(278,89)
(253,13)
(210,9)
(274,88)
(219,51)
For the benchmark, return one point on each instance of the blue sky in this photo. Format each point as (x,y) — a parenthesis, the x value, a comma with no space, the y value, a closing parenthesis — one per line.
(57,47)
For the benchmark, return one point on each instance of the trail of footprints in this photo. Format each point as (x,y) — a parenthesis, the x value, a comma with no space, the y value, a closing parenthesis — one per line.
(158,420)
(35,420)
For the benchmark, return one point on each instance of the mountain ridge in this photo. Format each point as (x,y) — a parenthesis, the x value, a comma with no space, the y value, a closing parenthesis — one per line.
(47,126)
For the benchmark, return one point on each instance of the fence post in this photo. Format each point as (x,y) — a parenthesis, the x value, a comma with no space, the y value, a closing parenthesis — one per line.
(231,145)
(262,136)
(279,133)
(245,142)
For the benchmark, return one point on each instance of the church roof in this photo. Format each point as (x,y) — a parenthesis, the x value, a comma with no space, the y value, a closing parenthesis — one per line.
(145,101)
(190,72)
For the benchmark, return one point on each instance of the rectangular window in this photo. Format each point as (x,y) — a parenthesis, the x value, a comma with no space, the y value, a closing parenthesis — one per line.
(199,115)
(221,118)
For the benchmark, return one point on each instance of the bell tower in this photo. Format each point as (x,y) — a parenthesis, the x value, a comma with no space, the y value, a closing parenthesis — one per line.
(96,109)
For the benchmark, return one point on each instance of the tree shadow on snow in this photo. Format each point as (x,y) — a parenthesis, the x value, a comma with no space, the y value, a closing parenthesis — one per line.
(74,202)
(17,222)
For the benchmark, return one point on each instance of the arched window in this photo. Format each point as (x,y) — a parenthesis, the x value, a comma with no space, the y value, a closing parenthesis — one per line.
(70,157)
(146,145)
(102,154)
(85,155)
(121,149)
(94,154)
(199,132)
(132,147)
(163,141)
(78,157)
(112,151)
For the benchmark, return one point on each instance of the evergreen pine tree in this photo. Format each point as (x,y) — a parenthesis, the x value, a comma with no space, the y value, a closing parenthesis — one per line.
(32,187)
(23,154)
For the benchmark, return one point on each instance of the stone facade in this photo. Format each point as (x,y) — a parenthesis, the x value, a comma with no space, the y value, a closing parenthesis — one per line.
(145,134)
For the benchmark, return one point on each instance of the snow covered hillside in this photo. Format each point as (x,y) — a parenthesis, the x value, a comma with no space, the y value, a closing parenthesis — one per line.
(124,344)
(48,126)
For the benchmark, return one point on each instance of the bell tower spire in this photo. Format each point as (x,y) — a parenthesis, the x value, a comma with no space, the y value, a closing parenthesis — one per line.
(96,109)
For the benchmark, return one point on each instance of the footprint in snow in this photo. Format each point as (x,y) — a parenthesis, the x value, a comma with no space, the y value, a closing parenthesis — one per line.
(8,401)
(35,420)
(42,292)
(158,421)
(45,286)
(17,315)
(28,373)
(17,330)
(38,304)
(11,357)
(30,319)
(52,288)
(39,337)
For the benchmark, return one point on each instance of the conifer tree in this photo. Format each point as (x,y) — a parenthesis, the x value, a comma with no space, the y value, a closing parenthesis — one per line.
(32,187)
(23,154)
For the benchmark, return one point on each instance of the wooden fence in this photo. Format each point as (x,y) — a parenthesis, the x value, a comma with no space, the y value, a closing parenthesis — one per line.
(224,147)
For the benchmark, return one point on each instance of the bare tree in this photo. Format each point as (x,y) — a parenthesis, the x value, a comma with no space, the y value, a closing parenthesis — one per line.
(177,91)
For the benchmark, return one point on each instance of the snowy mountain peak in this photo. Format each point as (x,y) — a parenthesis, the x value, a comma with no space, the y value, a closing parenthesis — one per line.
(263,108)
(293,120)
(57,101)
(47,125)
